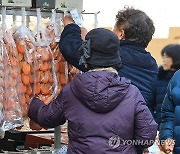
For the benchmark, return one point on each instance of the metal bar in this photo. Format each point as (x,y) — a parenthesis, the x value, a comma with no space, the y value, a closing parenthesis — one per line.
(27,21)
(90,12)
(57,137)
(95,20)
(31,12)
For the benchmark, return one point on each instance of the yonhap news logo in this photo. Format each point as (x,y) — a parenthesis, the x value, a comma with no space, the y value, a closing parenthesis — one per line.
(115,141)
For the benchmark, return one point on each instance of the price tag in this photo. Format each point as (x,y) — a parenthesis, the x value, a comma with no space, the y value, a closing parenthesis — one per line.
(76,17)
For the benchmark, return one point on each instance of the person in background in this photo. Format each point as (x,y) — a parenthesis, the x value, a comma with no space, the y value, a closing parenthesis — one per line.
(134,30)
(170,125)
(104,111)
(170,63)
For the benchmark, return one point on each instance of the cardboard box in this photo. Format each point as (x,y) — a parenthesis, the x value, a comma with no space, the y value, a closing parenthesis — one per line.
(60,4)
(14,3)
(69,4)
(47,4)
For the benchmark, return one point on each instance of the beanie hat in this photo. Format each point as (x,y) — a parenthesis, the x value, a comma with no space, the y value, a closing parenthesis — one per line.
(100,48)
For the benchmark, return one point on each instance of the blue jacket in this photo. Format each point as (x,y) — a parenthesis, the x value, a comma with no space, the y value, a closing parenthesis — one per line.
(159,92)
(138,64)
(101,108)
(170,126)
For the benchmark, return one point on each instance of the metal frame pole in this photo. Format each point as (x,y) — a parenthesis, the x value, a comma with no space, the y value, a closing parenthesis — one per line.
(57,137)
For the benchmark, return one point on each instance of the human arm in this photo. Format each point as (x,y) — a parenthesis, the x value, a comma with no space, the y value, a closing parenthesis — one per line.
(152,101)
(70,42)
(145,126)
(68,20)
(47,116)
(167,124)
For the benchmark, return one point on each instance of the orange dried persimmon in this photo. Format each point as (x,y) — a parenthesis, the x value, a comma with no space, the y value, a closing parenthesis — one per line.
(56,65)
(20,56)
(45,54)
(20,47)
(27,98)
(24,110)
(26,68)
(62,67)
(50,77)
(22,100)
(1,82)
(44,67)
(23,88)
(1,98)
(53,45)
(56,54)
(63,79)
(30,78)
(13,61)
(45,89)
(45,77)
(25,78)
(37,88)
(38,76)
(14,73)
(29,89)
(14,82)
(7,84)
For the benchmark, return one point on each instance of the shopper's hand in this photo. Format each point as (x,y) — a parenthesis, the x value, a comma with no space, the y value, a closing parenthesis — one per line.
(67,20)
(168,145)
(83,32)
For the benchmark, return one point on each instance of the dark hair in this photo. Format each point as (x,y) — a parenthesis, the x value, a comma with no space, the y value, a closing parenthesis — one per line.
(137,26)
(116,67)
(173,51)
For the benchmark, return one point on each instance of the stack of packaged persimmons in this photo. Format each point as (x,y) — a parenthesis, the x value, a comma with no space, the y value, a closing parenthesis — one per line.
(32,66)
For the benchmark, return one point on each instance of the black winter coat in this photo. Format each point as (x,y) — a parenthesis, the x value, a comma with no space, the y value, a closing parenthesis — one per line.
(159,92)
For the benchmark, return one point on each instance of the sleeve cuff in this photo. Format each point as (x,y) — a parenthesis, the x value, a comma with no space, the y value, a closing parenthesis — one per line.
(69,29)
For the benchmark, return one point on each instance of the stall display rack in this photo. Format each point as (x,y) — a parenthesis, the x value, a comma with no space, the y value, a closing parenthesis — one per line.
(16,138)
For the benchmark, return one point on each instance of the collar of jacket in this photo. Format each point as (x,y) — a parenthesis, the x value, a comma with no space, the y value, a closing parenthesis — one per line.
(127,42)
(109,69)
(162,74)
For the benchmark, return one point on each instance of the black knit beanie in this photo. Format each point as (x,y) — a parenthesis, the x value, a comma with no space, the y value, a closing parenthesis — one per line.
(102,48)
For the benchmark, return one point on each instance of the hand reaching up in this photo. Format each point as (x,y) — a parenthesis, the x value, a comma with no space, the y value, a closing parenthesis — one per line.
(67,20)
(83,32)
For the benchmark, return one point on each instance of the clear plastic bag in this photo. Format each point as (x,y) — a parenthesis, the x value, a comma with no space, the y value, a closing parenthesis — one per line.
(25,44)
(45,78)
(72,71)
(61,66)
(64,71)
(46,86)
(11,113)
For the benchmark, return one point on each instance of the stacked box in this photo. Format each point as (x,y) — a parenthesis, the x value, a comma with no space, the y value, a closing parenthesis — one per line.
(60,4)
(15,3)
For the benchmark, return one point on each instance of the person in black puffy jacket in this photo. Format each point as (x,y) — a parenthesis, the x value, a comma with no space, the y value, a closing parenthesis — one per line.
(171,63)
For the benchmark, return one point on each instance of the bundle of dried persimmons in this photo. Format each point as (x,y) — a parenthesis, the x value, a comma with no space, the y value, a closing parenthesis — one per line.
(33,67)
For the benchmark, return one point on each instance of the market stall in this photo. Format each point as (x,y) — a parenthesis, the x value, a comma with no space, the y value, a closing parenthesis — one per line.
(31,65)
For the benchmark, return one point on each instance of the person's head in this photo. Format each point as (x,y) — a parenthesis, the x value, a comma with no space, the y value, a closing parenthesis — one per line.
(134,25)
(100,50)
(171,57)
